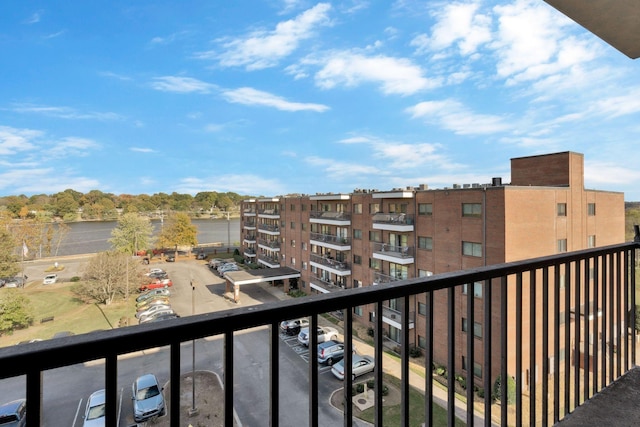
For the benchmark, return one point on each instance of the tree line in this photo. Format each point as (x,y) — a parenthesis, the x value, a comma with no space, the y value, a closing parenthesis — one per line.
(71,205)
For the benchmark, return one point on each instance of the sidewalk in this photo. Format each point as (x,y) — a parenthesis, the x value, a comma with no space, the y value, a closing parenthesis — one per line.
(393,367)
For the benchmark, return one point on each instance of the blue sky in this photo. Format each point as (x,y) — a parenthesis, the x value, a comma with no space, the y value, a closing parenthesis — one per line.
(285,96)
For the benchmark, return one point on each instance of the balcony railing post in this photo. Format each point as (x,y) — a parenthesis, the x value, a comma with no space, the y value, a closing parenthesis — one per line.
(34,397)
(174,381)
(470,353)
(518,344)
(228,378)
(274,375)
(379,351)
(404,356)
(486,369)
(111,386)
(348,366)
(451,350)
(313,371)
(533,307)
(503,351)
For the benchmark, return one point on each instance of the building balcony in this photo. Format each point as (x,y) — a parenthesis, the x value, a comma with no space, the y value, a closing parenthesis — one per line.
(269,261)
(330,218)
(399,222)
(341,268)
(270,229)
(249,225)
(249,238)
(249,252)
(527,334)
(325,286)
(273,245)
(269,213)
(249,212)
(397,254)
(393,317)
(330,241)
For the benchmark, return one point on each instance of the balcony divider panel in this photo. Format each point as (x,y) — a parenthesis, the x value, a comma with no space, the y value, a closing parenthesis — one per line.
(470,353)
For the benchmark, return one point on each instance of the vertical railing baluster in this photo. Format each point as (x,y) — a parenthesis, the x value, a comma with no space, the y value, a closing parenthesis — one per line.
(451,347)
(470,353)
(518,314)
(576,347)
(619,315)
(34,397)
(533,308)
(111,389)
(174,383)
(596,322)
(611,325)
(503,352)
(313,371)
(428,363)
(545,346)
(632,277)
(228,378)
(486,368)
(404,357)
(605,314)
(379,351)
(627,309)
(556,342)
(274,375)
(588,315)
(348,367)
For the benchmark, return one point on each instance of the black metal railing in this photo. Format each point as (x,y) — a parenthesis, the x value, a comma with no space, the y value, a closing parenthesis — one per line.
(542,313)
(330,262)
(330,238)
(330,215)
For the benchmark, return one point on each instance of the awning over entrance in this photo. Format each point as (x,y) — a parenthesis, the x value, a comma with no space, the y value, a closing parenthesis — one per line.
(238,278)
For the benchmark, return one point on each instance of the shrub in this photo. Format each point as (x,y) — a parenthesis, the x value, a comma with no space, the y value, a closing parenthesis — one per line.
(370,331)
(415,352)
(480,392)
(511,389)
(296,293)
(440,370)
(462,381)
(75,279)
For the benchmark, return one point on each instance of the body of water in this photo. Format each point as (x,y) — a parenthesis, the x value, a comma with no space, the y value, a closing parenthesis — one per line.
(93,236)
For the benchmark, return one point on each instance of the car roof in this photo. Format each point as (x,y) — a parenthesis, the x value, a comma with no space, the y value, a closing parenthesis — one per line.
(146,380)
(97,398)
(329,343)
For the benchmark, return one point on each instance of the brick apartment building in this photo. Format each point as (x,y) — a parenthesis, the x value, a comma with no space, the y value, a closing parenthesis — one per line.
(368,237)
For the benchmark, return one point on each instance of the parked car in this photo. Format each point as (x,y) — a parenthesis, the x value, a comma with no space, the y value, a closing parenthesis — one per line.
(325,333)
(360,366)
(163,316)
(215,263)
(170,258)
(155,315)
(152,293)
(330,352)
(157,284)
(14,413)
(149,302)
(293,326)
(94,413)
(148,401)
(14,282)
(154,270)
(50,279)
(63,334)
(158,275)
(144,313)
(201,255)
(229,266)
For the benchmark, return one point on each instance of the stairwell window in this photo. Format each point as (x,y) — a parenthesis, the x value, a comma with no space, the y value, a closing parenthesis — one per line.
(591,209)
(562,209)
(562,245)
(591,241)
(472,210)
(472,249)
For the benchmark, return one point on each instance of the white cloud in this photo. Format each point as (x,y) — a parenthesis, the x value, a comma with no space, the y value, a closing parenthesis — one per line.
(71,146)
(250,96)
(142,150)
(65,112)
(14,140)
(454,116)
(339,170)
(241,184)
(395,76)
(34,18)
(264,49)
(181,85)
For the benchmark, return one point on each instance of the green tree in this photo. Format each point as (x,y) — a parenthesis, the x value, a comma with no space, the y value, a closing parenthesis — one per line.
(8,260)
(178,231)
(15,311)
(65,205)
(108,275)
(132,234)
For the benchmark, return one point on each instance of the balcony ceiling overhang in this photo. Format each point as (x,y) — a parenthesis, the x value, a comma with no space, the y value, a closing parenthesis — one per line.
(617,22)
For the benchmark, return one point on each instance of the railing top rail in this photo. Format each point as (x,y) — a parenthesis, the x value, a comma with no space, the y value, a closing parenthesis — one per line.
(39,356)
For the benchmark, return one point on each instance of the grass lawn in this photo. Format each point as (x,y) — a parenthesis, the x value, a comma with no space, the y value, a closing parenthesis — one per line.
(69,313)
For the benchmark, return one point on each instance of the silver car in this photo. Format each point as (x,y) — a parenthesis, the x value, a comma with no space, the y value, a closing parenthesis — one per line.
(148,401)
(330,352)
(94,413)
(325,333)
(360,366)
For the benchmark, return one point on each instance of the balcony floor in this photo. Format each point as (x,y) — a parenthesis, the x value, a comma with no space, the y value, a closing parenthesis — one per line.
(616,405)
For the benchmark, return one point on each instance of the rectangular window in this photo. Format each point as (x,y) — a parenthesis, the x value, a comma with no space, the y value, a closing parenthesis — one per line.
(477,289)
(591,241)
(293,243)
(374,208)
(422,308)
(562,209)
(293,208)
(374,263)
(293,261)
(477,328)
(591,209)
(303,226)
(357,311)
(425,209)
(304,246)
(562,245)
(357,259)
(471,249)
(422,342)
(357,234)
(425,243)
(425,273)
(293,225)
(357,208)
(472,209)
(375,236)
(357,283)
(304,265)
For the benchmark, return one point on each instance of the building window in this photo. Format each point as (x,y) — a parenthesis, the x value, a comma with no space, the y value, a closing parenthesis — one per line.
(357,208)
(357,283)
(304,265)
(372,316)
(303,284)
(283,224)
(562,245)
(374,208)
(471,249)
(425,209)
(293,243)
(472,209)
(304,246)
(422,342)
(357,259)
(477,367)
(425,243)
(303,207)
(303,226)
(591,209)
(425,273)
(357,234)
(562,209)
(293,261)
(477,289)
(293,225)
(375,236)
(293,208)
(374,263)
(357,311)
(422,308)
(477,328)
(591,241)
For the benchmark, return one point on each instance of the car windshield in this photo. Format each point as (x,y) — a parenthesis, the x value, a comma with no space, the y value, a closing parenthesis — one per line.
(148,392)
(96,412)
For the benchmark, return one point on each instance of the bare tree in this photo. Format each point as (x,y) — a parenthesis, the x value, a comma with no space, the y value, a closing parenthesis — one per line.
(109,276)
